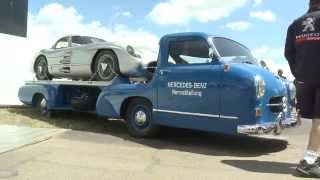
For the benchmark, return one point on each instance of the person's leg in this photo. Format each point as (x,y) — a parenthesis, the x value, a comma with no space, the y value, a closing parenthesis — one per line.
(309,104)
(314,139)
(298,115)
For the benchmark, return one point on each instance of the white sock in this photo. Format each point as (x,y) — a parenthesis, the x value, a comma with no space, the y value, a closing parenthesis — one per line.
(311,157)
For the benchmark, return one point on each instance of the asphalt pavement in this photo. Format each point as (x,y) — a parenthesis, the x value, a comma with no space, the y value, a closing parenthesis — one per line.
(176,154)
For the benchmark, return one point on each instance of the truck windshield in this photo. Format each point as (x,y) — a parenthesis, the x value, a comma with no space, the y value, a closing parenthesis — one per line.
(232,51)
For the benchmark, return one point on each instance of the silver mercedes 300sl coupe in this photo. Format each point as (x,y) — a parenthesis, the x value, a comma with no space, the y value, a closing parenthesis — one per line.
(87,58)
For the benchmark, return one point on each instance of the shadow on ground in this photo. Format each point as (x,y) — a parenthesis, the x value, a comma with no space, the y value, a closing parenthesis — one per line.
(262,166)
(170,138)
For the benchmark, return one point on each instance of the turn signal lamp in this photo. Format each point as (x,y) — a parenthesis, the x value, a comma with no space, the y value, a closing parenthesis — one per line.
(258,112)
(226,68)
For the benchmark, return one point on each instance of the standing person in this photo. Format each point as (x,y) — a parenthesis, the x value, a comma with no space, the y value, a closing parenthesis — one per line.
(303,54)
(280,74)
(264,65)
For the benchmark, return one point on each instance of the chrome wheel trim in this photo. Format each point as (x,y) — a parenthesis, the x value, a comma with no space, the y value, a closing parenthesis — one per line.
(106,67)
(43,106)
(41,68)
(140,118)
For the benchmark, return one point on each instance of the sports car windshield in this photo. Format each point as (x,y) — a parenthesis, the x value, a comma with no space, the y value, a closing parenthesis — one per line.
(231,51)
(82,40)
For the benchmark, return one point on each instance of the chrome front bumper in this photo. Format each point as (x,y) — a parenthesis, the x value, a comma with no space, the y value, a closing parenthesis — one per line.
(258,129)
(275,128)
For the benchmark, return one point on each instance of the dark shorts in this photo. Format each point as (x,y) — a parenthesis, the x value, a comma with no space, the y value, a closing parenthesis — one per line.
(308,97)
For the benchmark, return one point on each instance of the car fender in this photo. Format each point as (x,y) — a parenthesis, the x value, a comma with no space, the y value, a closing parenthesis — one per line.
(128,65)
(245,92)
(27,94)
(111,99)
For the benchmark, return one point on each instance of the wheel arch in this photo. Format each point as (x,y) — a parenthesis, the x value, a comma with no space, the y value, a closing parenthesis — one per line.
(126,102)
(96,54)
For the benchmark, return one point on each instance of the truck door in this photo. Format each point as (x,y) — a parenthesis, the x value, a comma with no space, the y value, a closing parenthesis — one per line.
(189,88)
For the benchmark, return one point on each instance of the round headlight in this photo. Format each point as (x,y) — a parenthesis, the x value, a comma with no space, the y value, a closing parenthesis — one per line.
(131,50)
(260,86)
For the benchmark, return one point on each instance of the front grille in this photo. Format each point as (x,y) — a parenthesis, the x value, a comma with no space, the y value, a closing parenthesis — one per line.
(276,104)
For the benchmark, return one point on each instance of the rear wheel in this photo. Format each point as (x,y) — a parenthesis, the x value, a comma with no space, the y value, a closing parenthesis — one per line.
(42,107)
(106,66)
(139,119)
(41,69)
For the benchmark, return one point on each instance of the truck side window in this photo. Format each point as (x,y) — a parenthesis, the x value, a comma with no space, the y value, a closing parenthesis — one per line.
(189,52)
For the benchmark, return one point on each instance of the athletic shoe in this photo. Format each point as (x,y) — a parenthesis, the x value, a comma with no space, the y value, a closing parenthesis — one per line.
(309,170)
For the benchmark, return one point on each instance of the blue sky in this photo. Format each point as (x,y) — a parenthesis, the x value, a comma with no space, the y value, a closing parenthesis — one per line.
(260,32)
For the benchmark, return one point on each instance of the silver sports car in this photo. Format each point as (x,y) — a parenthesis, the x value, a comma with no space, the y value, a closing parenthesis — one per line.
(87,58)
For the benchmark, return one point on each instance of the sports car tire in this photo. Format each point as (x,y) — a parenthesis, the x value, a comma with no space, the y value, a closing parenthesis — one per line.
(41,69)
(106,66)
(139,119)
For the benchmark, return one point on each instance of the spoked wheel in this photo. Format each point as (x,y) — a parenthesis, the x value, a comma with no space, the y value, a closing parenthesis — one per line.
(41,69)
(106,66)
(139,119)
(42,106)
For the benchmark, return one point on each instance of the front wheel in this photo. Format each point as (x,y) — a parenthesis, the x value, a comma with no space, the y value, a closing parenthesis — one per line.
(41,69)
(139,119)
(106,66)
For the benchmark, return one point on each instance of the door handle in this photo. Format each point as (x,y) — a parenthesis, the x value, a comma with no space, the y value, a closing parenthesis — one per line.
(163,71)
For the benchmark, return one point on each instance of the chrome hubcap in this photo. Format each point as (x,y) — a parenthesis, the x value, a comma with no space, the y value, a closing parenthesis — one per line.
(43,105)
(105,67)
(141,118)
(41,69)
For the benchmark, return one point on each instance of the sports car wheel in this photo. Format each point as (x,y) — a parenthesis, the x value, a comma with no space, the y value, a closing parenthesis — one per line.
(41,69)
(139,119)
(106,66)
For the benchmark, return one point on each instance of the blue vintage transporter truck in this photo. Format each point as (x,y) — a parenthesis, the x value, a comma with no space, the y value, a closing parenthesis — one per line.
(199,82)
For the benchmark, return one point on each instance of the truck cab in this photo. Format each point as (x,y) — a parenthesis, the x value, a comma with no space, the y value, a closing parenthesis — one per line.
(199,82)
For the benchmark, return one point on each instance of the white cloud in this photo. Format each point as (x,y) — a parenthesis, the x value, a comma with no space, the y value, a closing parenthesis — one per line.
(264,15)
(257,2)
(274,57)
(181,12)
(239,25)
(44,28)
(126,14)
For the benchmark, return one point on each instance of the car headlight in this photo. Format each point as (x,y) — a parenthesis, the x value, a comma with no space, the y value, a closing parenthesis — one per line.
(292,91)
(132,52)
(260,86)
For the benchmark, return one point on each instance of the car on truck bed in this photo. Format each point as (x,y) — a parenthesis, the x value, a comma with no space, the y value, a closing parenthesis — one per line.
(199,82)
(84,58)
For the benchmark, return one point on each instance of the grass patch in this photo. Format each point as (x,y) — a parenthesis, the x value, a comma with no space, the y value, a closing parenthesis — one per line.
(67,120)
